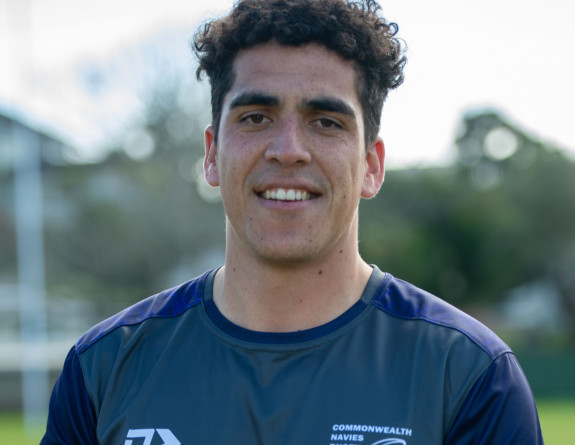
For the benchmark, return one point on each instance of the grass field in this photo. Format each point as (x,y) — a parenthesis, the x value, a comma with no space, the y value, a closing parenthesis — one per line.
(557,422)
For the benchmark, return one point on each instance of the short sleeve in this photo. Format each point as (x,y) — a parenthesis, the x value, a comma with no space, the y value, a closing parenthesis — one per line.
(499,409)
(71,416)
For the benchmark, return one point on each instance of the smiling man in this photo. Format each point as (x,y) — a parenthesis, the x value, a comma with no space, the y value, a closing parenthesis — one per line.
(295,339)
(292,164)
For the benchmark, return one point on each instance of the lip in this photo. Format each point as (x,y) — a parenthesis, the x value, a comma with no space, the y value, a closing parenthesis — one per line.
(282,206)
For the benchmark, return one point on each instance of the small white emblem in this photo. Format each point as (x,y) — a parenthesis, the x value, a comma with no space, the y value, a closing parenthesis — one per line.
(148,434)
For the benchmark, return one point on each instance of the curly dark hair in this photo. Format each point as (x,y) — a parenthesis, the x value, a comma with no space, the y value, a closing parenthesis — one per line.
(355,30)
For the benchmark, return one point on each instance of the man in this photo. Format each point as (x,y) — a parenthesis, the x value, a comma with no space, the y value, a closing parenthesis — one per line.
(295,339)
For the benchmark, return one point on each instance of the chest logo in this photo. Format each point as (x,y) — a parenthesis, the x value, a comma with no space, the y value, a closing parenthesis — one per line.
(351,433)
(390,442)
(148,435)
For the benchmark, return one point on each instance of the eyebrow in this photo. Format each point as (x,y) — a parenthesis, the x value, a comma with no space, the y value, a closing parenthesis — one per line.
(247,99)
(332,104)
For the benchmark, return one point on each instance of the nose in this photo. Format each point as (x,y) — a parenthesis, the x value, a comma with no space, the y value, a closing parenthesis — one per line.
(288,146)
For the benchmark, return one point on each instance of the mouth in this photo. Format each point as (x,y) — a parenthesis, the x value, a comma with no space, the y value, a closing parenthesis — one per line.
(280,194)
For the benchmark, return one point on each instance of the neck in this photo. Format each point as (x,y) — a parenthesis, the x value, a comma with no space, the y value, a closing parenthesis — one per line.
(272,297)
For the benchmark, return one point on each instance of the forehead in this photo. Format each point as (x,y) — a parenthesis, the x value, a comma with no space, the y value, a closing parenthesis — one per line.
(303,71)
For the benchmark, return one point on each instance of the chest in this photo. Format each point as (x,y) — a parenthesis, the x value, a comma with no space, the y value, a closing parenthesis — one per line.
(347,392)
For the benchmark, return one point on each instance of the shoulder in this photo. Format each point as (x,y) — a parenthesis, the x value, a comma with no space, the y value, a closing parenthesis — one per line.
(405,301)
(485,387)
(169,303)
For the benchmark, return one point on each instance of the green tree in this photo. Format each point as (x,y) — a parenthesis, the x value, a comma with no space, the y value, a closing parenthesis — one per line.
(138,221)
(500,217)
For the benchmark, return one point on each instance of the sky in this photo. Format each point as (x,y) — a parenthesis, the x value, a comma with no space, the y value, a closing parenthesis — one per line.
(515,56)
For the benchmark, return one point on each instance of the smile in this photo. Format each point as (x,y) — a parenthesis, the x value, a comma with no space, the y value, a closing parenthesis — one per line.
(287,195)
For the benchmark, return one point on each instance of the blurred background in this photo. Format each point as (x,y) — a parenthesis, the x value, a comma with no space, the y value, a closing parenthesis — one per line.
(103,202)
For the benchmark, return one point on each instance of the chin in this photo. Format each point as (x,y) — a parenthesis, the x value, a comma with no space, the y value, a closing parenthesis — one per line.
(288,255)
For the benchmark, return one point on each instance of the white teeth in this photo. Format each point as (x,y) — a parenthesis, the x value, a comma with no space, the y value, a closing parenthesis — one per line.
(286,195)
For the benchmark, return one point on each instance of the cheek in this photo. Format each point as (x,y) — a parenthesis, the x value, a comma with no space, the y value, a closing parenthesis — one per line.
(350,169)
(234,168)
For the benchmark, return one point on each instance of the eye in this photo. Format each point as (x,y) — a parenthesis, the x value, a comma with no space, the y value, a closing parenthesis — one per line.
(325,122)
(255,119)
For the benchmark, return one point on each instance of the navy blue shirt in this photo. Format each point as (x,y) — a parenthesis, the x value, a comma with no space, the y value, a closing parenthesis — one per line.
(399,367)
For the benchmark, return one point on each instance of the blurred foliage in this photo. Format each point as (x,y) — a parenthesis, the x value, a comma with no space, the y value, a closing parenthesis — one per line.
(135,223)
(501,216)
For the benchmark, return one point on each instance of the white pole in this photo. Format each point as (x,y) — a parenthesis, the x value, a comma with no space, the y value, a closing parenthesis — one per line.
(31,285)
(30,242)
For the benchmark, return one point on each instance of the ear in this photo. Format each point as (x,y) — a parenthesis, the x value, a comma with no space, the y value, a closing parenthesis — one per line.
(210,160)
(375,169)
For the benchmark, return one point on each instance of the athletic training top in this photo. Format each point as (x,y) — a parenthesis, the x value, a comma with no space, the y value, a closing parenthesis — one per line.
(399,367)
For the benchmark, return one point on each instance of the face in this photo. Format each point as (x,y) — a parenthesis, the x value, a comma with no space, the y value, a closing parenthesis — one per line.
(291,160)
